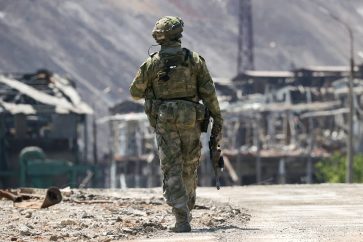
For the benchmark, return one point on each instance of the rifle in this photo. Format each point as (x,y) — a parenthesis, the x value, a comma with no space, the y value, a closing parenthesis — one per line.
(205,122)
(216,159)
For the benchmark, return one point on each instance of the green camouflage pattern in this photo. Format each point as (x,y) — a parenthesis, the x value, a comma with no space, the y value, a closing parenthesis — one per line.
(143,83)
(179,153)
(177,122)
(180,82)
(168,28)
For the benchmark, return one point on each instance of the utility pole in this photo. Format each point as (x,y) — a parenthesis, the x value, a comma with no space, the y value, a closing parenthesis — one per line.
(349,175)
(350,150)
(256,126)
(245,58)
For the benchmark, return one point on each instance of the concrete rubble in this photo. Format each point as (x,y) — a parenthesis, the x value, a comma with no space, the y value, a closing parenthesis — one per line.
(107,215)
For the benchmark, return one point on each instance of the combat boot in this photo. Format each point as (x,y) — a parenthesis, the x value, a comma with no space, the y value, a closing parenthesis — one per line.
(182,219)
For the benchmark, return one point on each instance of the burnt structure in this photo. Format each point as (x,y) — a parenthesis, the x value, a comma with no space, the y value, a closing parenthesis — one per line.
(277,125)
(285,121)
(44,110)
(133,157)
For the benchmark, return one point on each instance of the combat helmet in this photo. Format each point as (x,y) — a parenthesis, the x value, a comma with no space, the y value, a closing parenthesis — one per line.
(168,28)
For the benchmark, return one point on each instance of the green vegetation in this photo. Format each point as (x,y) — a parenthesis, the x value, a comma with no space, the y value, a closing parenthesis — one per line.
(333,169)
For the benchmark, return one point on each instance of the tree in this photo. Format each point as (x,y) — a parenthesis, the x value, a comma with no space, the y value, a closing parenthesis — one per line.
(333,169)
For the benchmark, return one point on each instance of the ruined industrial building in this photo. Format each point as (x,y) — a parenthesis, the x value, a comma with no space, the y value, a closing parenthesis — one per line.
(43,131)
(283,109)
(277,125)
(79,160)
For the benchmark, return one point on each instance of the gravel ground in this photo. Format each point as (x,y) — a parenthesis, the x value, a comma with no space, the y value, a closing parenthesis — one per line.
(108,215)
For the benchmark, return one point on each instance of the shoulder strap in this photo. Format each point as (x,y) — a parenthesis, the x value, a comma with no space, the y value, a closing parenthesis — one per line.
(188,54)
(152,55)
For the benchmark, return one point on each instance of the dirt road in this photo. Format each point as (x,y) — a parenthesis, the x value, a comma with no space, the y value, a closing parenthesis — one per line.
(298,212)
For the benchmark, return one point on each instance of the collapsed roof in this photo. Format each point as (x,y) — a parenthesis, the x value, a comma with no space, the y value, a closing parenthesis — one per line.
(40,92)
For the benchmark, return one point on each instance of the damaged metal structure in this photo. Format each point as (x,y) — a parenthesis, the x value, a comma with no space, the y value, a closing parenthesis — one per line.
(134,161)
(285,121)
(278,124)
(42,110)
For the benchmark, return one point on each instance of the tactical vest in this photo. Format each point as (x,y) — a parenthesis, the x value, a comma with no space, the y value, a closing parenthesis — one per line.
(175,77)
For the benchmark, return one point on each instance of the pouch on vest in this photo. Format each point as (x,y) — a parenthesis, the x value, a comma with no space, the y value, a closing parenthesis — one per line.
(200,111)
(186,115)
(166,112)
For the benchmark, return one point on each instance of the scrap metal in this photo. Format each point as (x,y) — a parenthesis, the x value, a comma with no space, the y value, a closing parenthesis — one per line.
(25,200)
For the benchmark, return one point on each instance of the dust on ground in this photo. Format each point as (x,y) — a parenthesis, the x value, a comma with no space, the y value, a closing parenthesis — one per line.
(107,215)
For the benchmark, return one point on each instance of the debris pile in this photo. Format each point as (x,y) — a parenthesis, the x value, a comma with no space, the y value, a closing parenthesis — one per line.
(106,215)
(27,198)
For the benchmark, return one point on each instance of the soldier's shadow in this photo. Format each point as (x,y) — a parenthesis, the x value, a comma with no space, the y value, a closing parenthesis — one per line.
(221,227)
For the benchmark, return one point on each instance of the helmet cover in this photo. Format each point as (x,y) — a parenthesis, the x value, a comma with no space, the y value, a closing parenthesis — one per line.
(168,28)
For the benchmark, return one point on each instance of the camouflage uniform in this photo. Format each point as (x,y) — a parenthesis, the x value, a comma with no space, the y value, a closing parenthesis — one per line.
(173,81)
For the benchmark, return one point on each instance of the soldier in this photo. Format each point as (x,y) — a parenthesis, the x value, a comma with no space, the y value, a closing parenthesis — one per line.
(173,81)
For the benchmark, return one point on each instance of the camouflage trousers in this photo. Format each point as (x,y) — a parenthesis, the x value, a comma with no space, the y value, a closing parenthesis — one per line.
(179,153)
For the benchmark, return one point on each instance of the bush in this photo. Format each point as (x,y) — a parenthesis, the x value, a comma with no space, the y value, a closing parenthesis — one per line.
(333,169)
